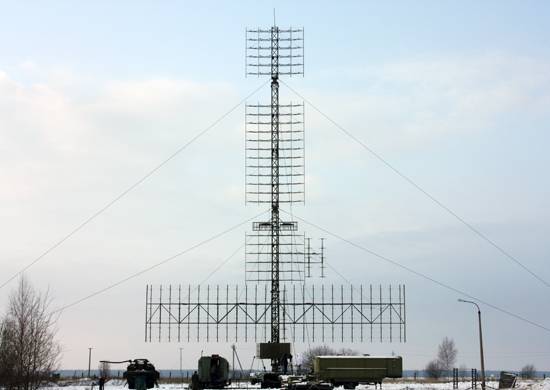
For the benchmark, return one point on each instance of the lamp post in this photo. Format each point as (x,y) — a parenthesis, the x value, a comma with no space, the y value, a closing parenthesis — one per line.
(480,342)
(89,361)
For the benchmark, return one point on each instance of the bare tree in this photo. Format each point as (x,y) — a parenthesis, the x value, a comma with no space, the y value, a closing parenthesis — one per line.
(104,370)
(7,353)
(433,369)
(29,351)
(528,371)
(308,356)
(446,354)
(347,352)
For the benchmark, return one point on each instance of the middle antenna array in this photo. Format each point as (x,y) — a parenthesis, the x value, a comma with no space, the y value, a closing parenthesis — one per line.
(259,153)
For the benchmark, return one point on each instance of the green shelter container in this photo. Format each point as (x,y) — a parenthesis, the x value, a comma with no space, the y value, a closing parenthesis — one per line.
(349,371)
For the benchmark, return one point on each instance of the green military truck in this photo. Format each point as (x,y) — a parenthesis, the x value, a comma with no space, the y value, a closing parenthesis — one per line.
(349,371)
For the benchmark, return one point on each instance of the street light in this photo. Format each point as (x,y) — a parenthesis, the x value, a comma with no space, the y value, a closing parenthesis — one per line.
(480,342)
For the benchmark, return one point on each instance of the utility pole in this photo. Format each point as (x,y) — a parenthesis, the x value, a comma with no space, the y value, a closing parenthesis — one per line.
(480,342)
(181,367)
(233,362)
(89,361)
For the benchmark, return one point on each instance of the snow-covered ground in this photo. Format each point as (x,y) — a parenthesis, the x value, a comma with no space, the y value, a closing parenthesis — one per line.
(521,385)
(535,385)
(118,384)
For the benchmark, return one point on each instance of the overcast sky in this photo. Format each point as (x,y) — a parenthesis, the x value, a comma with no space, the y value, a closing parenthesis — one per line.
(455,95)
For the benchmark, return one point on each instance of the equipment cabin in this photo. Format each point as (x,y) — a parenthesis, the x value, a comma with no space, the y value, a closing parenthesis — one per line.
(349,371)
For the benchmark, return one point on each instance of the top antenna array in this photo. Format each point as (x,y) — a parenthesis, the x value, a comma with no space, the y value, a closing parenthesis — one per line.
(284,46)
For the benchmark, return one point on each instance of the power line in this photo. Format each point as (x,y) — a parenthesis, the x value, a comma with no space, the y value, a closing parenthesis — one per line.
(422,190)
(131,187)
(215,270)
(218,267)
(141,272)
(417,273)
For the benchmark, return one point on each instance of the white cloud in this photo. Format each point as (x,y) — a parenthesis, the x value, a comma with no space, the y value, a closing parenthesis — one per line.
(411,104)
(29,66)
(52,123)
(159,98)
(64,155)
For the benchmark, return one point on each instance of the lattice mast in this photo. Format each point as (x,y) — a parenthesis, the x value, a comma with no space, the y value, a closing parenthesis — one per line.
(259,57)
(275,218)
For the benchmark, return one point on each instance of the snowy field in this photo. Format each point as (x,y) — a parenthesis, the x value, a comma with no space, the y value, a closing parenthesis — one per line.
(118,384)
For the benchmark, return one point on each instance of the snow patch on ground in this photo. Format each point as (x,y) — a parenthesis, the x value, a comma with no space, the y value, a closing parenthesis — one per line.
(535,385)
(427,386)
(119,384)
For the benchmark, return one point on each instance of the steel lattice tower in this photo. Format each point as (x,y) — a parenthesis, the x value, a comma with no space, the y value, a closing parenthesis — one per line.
(263,57)
(275,286)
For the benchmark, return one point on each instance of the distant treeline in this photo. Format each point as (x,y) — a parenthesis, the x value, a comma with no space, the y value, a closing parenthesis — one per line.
(186,373)
(467,373)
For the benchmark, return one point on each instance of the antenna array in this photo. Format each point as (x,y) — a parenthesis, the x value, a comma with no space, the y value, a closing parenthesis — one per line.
(279,259)
(325,313)
(274,51)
